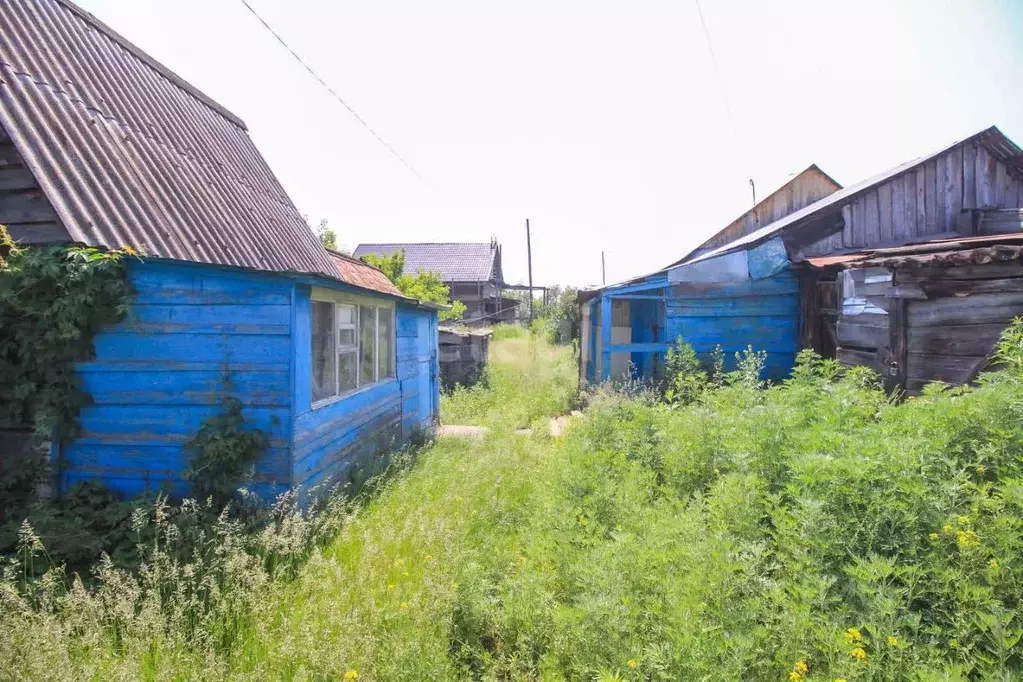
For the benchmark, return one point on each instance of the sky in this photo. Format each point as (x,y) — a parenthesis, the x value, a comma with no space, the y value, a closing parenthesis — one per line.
(604,123)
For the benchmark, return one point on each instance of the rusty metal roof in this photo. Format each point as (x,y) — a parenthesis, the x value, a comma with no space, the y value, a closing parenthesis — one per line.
(1000,146)
(355,272)
(128,153)
(939,252)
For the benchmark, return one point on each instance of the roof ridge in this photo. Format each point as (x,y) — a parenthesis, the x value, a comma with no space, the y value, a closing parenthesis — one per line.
(423,244)
(152,62)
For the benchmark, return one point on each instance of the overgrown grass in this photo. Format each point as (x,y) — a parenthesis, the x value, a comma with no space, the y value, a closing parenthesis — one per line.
(810,531)
(526,379)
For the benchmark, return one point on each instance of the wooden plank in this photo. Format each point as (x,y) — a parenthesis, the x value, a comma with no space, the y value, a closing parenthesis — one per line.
(988,308)
(985,178)
(847,226)
(809,310)
(895,379)
(952,369)
(909,204)
(962,272)
(858,234)
(1006,186)
(901,231)
(952,188)
(921,202)
(15,178)
(931,188)
(38,233)
(872,219)
(971,339)
(970,176)
(939,289)
(852,357)
(28,207)
(863,333)
(884,212)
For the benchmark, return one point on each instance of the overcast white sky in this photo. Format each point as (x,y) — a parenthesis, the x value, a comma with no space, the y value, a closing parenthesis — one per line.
(601,122)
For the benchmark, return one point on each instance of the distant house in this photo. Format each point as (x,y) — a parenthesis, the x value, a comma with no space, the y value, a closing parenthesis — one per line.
(472,270)
(913,272)
(101,145)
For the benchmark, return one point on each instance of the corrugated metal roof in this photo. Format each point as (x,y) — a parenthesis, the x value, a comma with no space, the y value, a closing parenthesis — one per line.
(456,262)
(359,274)
(130,154)
(1000,146)
(945,252)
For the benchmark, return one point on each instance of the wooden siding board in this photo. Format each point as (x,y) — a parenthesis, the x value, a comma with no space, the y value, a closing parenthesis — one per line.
(970,176)
(847,226)
(952,189)
(900,231)
(872,218)
(985,169)
(931,188)
(921,202)
(884,208)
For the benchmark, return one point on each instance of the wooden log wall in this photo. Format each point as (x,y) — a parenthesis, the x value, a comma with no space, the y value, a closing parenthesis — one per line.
(939,324)
(925,201)
(24,209)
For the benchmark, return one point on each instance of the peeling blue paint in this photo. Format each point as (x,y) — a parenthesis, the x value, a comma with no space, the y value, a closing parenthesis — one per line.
(197,334)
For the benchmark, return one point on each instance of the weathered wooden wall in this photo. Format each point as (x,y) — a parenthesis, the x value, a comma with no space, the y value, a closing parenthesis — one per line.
(925,201)
(917,325)
(194,335)
(347,438)
(463,356)
(24,209)
(804,189)
(197,334)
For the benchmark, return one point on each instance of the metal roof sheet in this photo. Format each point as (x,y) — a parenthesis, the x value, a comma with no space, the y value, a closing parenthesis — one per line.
(130,154)
(454,261)
(357,273)
(992,138)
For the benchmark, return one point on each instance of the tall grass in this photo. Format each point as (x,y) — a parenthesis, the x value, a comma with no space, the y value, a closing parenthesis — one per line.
(809,531)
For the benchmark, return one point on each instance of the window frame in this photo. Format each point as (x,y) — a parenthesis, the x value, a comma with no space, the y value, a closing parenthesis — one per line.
(355,302)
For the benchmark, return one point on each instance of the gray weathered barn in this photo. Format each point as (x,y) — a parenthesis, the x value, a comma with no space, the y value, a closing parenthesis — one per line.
(779,286)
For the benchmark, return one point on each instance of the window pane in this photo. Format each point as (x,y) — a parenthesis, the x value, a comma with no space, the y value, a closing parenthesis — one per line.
(367,335)
(323,350)
(346,326)
(385,332)
(347,366)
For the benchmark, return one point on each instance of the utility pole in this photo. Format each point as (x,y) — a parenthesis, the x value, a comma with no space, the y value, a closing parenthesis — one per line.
(603,269)
(529,262)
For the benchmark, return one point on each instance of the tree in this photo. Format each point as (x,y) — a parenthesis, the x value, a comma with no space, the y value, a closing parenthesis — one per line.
(327,236)
(423,286)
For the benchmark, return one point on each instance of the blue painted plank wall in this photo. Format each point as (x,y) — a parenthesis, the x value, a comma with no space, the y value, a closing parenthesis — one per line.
(195,334)
(347,439)
(763,313)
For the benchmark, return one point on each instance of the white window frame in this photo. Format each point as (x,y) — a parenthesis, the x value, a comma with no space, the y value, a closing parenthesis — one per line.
(355,302)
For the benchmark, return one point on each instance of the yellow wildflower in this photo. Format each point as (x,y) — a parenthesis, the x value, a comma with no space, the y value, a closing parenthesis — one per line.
(963,520)
(858,653)
(967,538)
(795,676)
(582,520)
(801,667)
(352,675)
(404,606)
(993,563)
(842,679)
(632,663)
(981,469)
(522,561)
(458,498)
(893,640)
(947,528)
(853,635)
(933,536)
(390,587)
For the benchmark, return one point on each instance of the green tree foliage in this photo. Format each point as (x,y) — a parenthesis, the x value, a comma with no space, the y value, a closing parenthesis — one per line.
(224,453)
(326,235)
(558,319)
(423,286)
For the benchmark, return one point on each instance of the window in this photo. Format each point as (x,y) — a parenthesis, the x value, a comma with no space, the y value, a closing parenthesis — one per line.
(352,346)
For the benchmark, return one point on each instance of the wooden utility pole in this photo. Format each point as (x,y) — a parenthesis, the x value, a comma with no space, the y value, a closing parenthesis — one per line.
(603,269)
(529,262)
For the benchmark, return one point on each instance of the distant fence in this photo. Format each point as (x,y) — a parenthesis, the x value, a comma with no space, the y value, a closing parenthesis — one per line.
(463,356)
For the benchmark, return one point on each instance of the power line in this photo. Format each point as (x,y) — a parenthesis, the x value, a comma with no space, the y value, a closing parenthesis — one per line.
(717,70)
(331,90)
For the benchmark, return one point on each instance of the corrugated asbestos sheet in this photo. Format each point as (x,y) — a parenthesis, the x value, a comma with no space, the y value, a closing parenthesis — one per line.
(455,262)
(130,154)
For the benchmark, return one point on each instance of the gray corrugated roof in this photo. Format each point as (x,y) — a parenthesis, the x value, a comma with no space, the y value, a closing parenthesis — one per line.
(992,138)
(456,262)
(130,154)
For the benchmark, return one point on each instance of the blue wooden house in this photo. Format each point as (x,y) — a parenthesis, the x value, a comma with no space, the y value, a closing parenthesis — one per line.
(103,146)
(773,279)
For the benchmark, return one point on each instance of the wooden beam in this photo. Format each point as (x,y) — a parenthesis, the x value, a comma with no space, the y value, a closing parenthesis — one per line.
(658,283)
(895,379)
(605,338)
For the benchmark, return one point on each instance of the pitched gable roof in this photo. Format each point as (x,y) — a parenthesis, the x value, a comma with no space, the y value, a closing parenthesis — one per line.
(455,262)
(997,144)
(128,153)
(353,271)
